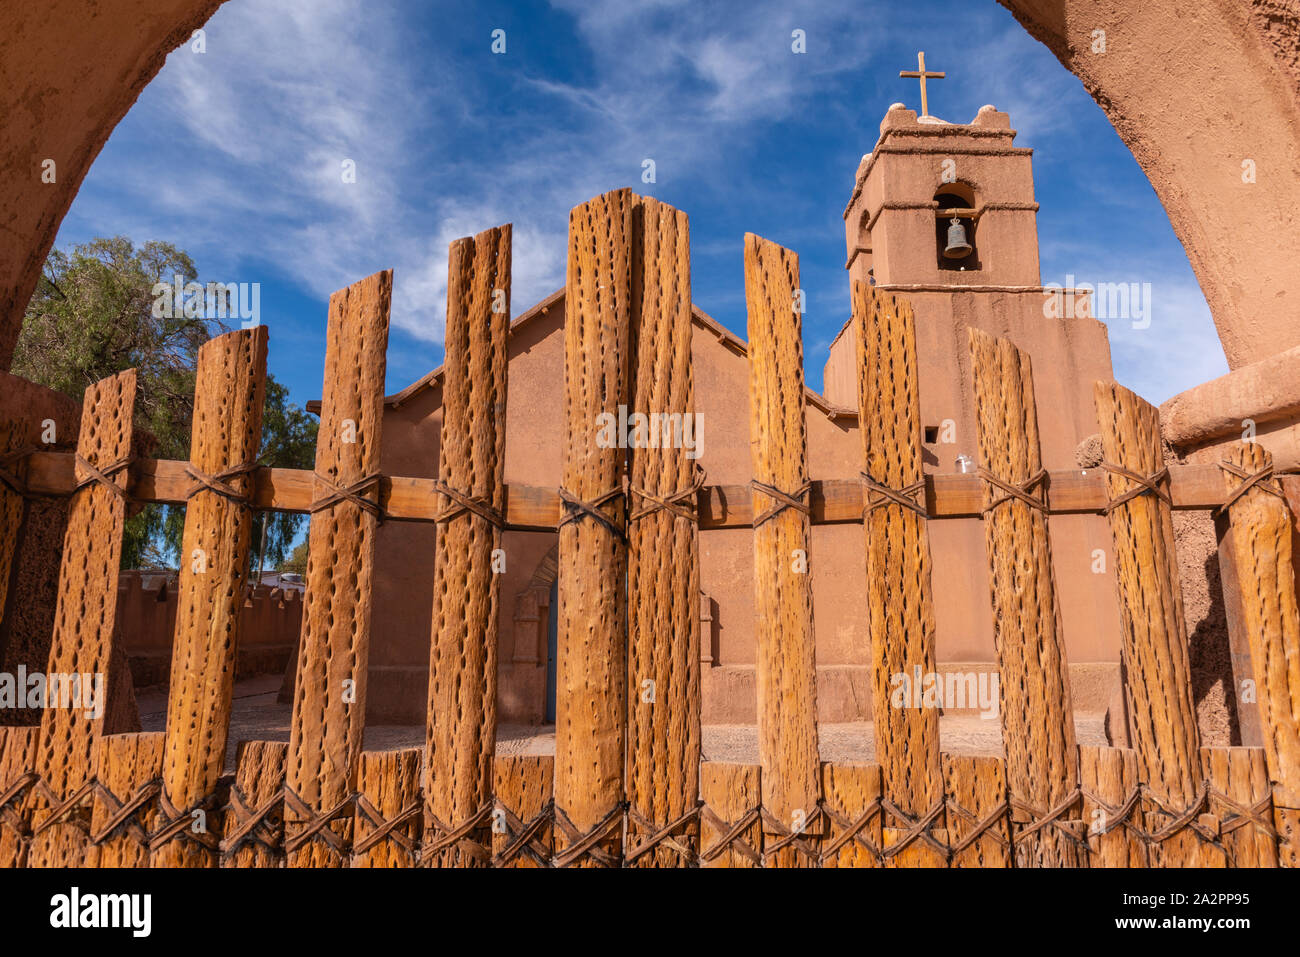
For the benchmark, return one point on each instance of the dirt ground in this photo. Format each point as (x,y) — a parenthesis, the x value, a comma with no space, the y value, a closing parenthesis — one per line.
(258,716)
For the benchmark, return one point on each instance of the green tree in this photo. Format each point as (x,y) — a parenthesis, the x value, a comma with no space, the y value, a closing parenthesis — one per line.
(93,314)
(289,442)
(297,560)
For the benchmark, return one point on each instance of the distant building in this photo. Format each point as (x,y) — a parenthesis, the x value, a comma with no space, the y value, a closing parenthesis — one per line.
(288,581)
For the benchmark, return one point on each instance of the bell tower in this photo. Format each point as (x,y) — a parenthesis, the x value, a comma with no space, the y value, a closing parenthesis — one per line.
(944,204)
(943,215)
(922,174)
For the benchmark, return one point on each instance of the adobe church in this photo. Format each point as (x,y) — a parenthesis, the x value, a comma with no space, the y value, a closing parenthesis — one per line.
(940,213)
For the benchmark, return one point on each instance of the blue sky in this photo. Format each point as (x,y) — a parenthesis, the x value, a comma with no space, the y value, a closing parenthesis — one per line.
(235,155)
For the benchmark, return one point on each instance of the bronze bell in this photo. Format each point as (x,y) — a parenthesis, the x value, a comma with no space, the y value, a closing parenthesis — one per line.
(957,248)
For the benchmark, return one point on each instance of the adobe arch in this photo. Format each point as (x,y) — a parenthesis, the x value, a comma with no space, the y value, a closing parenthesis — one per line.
(1229,108)
(69,71)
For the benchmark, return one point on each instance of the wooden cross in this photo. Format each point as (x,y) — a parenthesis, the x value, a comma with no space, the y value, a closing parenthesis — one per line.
(920,74)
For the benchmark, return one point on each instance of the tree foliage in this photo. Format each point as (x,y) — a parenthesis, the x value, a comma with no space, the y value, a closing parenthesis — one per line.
(93,315)
(297,560)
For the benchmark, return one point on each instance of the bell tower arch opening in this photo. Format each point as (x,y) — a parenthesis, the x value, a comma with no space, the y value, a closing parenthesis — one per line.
(956,213)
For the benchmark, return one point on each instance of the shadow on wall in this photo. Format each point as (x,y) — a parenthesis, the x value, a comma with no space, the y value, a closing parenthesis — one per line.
(1210,658)
(1209,652)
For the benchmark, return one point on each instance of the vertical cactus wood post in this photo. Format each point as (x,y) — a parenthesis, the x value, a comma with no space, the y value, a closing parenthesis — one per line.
(783,613)
(253,829)
(522,821)
(899,597)
(1265,568)
(591,664)
(1162,719)
(124,811)
(17,758)
(977,821)
(1109,778)
(851,801)
(83,620)
(462,716)
(663,721)
(388,809)
(1241,800)
(1241,693)
(329,702)
(731,829)
(1037,719)
(225,440)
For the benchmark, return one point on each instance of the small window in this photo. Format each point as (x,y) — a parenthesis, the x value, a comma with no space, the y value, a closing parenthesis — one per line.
(931,434)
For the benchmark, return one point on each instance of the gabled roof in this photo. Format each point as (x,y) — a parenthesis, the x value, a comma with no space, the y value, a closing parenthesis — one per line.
(701,319)
(429,379)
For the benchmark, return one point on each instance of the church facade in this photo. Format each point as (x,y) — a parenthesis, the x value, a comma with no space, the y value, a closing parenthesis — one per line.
(923,180)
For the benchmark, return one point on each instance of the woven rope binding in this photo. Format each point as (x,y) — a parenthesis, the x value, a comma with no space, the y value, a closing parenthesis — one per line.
(911,497)
(732,838)
(681,503)
(524,839)
(220,482)
(263,825)
(587,845)
(1143,485)
(576,509)
(1262,480)
(1012,492)
(104,476)
(458,836)
(796,500)
(660,835)
(462,503)
(298,811)
(9,476)
(354,493)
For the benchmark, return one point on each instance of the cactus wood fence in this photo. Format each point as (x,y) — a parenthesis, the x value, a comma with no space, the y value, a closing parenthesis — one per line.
(626,786)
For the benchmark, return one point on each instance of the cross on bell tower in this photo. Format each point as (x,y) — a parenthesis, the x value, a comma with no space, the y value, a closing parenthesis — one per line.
(920,74)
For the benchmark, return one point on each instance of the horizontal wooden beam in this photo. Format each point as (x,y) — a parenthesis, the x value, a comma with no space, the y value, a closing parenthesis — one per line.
(534,508)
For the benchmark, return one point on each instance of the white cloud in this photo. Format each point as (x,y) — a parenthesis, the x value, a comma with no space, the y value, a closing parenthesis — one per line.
(235,154)
(1165,345)
(250,139)
(1180,348)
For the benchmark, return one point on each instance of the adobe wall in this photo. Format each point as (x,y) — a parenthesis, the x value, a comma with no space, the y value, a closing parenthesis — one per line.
(145,626)
(1194,90)
(1200,427)
(892,207)
(1262,399)
(535,423)
(1071,355)
(1218,136)
(402,584)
